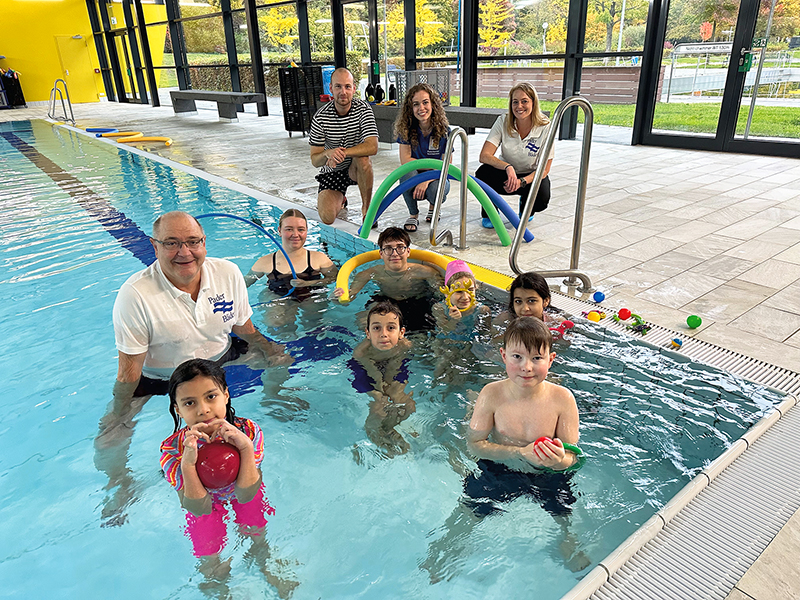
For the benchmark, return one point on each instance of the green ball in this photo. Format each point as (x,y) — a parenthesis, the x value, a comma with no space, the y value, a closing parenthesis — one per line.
(694,322)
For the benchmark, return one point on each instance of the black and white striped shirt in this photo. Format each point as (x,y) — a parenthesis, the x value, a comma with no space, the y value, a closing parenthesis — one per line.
(332,130)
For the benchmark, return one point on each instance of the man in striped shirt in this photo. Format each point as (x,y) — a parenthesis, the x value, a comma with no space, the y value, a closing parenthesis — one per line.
(343,136)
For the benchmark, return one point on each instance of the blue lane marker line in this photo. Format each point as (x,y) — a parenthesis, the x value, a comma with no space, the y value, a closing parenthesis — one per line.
(116,223)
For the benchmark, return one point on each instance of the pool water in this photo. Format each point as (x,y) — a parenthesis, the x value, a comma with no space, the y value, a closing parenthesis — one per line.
(350,522)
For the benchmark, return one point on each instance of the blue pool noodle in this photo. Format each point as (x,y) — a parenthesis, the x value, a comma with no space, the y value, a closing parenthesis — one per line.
(496,199)
(262,230)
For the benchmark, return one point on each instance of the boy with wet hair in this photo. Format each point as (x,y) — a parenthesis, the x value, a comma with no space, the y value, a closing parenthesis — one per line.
(410,285)
(509,417)
(524,407)
(380,367)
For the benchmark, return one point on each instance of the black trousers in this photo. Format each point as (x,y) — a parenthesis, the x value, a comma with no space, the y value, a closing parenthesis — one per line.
(160,387)
(496,179)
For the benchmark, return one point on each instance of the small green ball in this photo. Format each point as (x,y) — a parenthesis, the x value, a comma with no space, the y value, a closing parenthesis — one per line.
(694,322)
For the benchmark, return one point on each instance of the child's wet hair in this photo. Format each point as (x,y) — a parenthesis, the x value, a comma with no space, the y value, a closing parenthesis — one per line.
(528,281)
(197,367)
(394,234)
(385,307)
(531,332)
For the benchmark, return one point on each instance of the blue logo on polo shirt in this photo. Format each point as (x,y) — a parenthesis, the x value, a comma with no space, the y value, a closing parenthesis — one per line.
(532,147)
(223,307)
(220,306)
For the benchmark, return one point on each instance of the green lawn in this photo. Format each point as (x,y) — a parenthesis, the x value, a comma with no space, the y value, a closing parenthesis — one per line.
(768,121)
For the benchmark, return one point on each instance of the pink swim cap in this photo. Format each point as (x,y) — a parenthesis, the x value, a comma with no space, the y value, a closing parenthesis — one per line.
(453,267)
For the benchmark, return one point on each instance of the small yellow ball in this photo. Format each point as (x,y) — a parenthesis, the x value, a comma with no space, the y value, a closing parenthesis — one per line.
(593,316)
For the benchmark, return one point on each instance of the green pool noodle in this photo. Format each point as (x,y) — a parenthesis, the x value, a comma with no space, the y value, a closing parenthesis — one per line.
(433,163)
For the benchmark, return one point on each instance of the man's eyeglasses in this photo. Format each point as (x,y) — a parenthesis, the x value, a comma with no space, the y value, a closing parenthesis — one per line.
(389,250)
(172,245)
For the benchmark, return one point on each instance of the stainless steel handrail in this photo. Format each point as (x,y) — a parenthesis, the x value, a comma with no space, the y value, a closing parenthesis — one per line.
(447,235)
(572,272)
(51,114)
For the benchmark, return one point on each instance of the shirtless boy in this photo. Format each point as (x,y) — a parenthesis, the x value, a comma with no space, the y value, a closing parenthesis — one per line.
(410,285)
(509,416)
(517,411)
(379,364)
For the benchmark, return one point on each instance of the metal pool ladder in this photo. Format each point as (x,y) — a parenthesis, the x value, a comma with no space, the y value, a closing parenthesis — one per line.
(51,114)
(573,271)
(447,235)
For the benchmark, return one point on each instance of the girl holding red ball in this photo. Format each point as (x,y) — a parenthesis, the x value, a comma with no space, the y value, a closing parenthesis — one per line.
(199,397)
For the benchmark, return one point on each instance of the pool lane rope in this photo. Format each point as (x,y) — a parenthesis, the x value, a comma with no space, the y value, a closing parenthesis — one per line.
(378,203)
(265,232)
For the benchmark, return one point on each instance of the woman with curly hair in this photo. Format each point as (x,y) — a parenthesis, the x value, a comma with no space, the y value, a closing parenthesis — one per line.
(519,135)
(422,131)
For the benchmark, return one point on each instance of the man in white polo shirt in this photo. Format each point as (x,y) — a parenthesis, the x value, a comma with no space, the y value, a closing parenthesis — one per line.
(183,306)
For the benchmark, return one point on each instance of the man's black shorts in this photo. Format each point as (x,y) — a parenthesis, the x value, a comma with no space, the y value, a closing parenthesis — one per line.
(337,181)
(160,387)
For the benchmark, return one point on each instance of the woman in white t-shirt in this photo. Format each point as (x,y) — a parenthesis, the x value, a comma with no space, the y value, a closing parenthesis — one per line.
(519,135)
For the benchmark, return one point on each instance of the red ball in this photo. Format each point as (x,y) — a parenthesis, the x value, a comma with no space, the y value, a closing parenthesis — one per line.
(624,314)
(217,464)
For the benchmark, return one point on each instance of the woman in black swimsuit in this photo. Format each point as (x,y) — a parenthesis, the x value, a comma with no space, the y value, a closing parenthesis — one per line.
(314,269)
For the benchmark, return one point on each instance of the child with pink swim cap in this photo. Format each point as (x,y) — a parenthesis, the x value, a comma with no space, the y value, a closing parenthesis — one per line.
(463,308)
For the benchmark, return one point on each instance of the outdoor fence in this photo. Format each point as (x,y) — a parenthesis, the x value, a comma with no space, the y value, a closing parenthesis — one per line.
(601,85)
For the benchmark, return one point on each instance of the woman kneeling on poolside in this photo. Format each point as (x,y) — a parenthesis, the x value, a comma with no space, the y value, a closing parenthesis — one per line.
(422,131)
(519,135)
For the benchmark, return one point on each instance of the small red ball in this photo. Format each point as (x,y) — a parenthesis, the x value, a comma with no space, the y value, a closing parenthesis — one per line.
(624,314)
(217,464)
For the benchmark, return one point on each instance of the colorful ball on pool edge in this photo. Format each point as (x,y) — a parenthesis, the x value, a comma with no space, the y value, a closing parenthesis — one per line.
(676,343)
(217,464)
(624,314)
(694,322)
(599,296)
(593,316)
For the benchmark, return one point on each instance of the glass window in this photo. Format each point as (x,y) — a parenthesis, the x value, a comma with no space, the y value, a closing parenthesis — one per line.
(211,78)
(540,28)
(277,28)
(160,49)
(495,79)
(771,97)
(694,66)
(205,40)
(320,28)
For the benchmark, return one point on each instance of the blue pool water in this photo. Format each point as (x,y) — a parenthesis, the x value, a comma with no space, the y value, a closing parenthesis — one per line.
(349,522)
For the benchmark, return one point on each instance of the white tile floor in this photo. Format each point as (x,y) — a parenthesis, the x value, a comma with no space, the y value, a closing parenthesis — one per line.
(667,233)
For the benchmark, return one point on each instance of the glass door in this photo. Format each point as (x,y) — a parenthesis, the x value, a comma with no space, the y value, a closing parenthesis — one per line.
(725,78)
(770,101)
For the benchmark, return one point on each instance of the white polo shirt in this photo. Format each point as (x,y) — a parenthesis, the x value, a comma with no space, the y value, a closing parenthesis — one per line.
(522,154)
(151,315)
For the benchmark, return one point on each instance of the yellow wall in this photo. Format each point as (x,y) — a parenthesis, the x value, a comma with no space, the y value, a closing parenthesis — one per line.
(38,40)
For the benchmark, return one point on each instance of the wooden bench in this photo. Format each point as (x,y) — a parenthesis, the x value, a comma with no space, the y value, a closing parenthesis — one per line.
(227,102)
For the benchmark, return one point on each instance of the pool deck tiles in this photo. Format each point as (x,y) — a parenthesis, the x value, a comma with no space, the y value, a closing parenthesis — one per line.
(667,233)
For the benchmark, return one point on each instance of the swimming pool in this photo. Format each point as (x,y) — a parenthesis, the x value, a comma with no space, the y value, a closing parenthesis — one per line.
(349,522)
